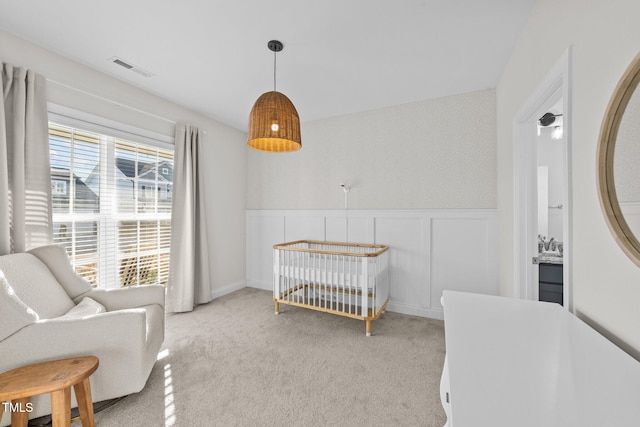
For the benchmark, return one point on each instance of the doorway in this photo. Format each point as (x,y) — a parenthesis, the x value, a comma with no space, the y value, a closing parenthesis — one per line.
(535,212)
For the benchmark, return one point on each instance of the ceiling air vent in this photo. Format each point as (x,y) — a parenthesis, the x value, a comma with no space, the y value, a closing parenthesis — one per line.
(129,66)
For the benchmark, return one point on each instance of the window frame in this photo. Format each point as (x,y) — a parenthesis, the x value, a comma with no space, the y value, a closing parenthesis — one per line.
(72,118)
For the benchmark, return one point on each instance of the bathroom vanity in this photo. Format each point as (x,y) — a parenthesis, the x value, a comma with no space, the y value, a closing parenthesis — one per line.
(550,270)
(512,362)
(550,282)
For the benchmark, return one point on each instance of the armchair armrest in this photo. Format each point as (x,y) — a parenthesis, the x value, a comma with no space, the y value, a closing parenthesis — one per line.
(127,298)
(100,334)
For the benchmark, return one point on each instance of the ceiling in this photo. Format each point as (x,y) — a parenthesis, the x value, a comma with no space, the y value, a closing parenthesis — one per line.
(339,57)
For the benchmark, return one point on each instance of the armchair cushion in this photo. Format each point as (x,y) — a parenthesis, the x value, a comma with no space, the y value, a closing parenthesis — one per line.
(57,260)
(34,284)
(14,314)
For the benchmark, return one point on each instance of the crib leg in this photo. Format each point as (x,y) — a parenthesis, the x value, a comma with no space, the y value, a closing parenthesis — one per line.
(368,327)
(277,307)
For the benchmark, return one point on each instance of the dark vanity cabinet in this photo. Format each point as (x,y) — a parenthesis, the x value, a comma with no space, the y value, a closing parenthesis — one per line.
(550,281)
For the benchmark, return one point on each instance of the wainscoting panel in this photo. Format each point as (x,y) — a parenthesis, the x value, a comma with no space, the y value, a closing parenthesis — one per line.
(409,260)
(361,229)
(336,228)
(303,227)
(460,257)
(263,231)
(431,250)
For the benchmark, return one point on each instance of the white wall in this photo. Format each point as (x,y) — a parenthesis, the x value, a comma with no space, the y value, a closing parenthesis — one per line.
(605,38)
(434,154)
(224,146)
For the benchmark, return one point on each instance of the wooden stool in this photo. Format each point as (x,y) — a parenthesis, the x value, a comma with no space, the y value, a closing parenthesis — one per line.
(55,377)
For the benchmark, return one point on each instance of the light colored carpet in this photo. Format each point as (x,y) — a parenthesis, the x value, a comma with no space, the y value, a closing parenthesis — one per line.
(232,362)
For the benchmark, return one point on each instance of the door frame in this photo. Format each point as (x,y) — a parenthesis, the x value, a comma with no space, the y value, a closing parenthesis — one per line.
(555,86)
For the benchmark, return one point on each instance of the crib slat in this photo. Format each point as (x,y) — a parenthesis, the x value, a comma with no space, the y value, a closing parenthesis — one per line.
(342,281)
(298,275)
(276,277)
(323,289)
(307,282)
(289,275)
(351,286)
(365,290)
(330,282)
(294,275)
(322,270)
(327,279)
(374,291)
(285,274)
(312,279)
(276,273)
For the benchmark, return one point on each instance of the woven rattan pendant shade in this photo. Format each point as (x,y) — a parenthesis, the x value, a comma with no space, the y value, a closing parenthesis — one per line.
(274,124)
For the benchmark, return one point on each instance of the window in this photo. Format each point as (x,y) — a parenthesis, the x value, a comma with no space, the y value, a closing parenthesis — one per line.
(111,206)
(58,188)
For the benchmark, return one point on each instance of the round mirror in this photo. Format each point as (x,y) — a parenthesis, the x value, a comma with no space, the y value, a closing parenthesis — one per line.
(619,163)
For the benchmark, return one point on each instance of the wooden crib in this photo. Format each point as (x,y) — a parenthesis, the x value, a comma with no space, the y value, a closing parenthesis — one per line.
(348,279)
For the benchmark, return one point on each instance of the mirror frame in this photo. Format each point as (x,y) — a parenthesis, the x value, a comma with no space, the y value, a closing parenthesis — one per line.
(606,146)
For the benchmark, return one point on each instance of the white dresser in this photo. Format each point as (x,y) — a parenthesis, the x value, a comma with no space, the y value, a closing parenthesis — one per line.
(532,364)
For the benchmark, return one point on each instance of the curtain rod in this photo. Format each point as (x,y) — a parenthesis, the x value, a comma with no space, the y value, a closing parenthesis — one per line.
(119,104)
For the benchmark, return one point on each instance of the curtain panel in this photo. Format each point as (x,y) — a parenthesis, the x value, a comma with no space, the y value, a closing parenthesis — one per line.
(189,275)
(25,181)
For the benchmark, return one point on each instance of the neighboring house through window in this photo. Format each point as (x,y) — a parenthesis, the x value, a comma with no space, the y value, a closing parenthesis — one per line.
(111,202)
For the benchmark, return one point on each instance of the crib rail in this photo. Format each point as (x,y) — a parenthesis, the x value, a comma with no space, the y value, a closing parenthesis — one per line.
(349,279)
(333,248)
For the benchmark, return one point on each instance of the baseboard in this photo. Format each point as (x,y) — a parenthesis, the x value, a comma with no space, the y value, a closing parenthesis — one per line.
(413,310)
(217,293)
(267,286)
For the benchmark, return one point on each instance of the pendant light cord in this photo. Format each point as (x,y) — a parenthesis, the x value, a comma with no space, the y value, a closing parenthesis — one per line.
(274,70)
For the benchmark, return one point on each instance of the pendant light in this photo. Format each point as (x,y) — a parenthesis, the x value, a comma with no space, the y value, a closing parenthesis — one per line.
(274,124)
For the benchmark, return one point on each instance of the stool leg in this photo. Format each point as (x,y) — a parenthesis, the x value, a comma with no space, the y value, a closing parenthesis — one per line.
(85,405)
(20,418)
(61,407)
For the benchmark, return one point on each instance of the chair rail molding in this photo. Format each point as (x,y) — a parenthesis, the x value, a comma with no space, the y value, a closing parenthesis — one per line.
(431,250)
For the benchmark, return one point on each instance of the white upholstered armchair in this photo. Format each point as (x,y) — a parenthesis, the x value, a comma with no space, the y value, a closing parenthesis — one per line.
(49,312)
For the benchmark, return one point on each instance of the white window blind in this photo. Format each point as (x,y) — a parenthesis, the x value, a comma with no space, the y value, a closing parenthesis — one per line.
(111,205)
